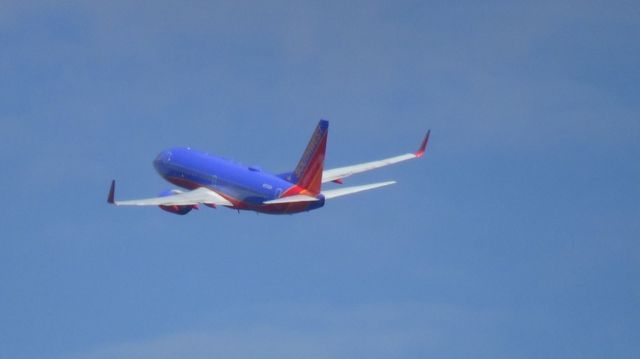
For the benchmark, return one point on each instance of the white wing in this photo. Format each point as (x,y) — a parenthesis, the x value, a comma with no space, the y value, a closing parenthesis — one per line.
(336,174)
(333,193)
(199,195)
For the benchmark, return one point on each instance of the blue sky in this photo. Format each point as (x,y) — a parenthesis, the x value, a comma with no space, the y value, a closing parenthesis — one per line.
(515,236)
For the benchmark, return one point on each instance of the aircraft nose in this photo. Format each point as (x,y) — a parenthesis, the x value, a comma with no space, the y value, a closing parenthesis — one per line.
(162,159)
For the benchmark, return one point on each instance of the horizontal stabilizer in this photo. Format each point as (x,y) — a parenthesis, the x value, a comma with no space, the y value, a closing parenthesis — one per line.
(333,193)
(292,199)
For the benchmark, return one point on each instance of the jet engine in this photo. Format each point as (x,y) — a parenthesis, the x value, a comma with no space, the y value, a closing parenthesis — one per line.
(181,210)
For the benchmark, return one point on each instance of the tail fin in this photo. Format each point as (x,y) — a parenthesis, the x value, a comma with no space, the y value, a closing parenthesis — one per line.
(308,173)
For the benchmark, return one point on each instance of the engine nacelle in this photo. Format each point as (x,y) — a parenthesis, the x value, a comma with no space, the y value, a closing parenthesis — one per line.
(175,209)
(181,210)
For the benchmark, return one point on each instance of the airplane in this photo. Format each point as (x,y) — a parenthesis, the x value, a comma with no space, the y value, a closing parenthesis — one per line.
(214,181)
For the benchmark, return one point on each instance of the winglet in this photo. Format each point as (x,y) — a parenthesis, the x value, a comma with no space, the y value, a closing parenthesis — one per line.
(423,146)
(112,193)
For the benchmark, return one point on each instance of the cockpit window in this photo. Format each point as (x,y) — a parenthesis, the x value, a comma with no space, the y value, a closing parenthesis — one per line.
(164,157)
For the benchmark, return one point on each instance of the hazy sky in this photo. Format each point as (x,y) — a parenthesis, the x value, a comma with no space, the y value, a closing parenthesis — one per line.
(517,235)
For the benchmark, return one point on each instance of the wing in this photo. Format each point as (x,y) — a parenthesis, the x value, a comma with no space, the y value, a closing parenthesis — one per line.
(199,195)
(336,174)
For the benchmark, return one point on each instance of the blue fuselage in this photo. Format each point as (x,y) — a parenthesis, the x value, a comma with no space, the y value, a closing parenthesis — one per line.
(246,187)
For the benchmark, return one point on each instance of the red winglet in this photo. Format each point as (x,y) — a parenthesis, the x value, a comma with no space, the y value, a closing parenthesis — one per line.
(423,146)
(112,194)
